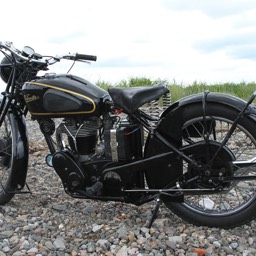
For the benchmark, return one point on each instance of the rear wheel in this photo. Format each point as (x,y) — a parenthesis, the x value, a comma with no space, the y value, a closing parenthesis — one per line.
(235,204)
(6,159)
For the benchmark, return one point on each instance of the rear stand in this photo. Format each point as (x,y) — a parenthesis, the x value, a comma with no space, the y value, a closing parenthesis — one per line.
(155,211)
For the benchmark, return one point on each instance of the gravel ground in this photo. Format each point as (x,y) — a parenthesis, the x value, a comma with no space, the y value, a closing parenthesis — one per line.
(49,222)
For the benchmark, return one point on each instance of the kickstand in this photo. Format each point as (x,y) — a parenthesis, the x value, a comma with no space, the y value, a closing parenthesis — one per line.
(155,211)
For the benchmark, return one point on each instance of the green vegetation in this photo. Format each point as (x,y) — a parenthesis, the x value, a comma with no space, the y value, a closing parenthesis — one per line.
(242,90)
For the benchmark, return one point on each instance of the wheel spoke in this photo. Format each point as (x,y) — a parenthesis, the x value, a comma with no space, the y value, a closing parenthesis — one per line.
(242,146)
(5,152)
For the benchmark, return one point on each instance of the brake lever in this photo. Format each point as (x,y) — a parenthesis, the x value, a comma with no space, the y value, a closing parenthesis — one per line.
(85,61)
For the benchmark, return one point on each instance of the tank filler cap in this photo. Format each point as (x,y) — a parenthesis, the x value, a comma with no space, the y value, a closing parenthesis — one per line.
(50,75)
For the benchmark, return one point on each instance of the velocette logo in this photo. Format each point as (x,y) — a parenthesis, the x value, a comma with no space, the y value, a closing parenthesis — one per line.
(30,98)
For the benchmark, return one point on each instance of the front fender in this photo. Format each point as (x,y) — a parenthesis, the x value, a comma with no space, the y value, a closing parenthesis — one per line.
(19,165)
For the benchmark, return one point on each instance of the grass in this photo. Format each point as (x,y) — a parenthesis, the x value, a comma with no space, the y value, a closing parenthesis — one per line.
(242,90)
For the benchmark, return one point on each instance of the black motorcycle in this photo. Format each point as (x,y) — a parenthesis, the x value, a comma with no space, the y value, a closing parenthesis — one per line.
(198,157)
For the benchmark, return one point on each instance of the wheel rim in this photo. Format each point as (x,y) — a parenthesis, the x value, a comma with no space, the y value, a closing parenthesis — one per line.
(5,153)
(238,195)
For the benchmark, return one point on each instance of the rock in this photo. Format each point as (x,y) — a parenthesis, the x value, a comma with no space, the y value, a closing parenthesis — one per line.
(22,217)
(89,209)
(91,247)
(160,223)
(175,239)
(141,240)
(245,252)
(131,237)
(152,231)
(7,233)
(49,245)
(59,207)
(123,251)
(6,249)
(132,251)
(209,251)
(59,244)
(168,253)
(217,244)
(171,244)
(144,230)
(36,221)
(83,253)
(25,245)
(17,253)
(26,228)
(102,242)
(138,220)
(122,232)
(250,241)
(234,245)
(96,227)
(32,250)
(14,240)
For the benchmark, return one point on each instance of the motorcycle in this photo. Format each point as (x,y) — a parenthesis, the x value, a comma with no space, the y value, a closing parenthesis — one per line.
(197,157)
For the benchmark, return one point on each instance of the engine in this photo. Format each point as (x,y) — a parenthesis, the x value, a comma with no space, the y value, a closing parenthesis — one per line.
(79,135)
(119,142)
(95,148)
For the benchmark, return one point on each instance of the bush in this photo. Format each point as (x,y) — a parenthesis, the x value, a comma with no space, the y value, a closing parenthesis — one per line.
(242,90)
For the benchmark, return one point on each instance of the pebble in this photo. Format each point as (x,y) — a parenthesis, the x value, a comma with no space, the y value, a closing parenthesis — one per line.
(96,227)
(49,222)
(122,232)
(59,244)
(250,240)
(122,252)
(217,244)
(234,245)
(49,245)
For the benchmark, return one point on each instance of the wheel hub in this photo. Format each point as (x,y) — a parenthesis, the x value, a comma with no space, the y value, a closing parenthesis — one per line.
(205,175)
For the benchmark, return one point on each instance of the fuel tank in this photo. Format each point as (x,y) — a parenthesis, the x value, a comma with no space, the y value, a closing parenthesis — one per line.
(62,96)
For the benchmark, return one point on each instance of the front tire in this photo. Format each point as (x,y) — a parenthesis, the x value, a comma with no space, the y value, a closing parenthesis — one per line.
(236,204)
(7,144)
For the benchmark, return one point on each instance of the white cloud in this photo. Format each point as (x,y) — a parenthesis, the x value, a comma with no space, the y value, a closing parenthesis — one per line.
(215,9)
(209,41)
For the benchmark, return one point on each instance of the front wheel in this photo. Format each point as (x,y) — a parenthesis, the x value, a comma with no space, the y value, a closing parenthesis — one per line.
(6,158)
(13,155)
(235,203)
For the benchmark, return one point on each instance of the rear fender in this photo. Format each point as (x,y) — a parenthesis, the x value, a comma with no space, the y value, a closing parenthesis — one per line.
(168,126)
(17,177)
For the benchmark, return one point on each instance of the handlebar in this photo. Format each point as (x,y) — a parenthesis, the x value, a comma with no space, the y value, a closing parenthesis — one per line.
(85,57)
(50,60)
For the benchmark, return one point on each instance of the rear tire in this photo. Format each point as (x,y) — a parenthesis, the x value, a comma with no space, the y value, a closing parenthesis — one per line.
(236,205)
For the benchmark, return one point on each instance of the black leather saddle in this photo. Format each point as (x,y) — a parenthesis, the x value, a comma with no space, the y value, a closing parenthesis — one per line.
(130,99)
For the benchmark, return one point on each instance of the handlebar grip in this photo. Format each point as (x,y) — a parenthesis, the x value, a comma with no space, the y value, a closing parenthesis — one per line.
(85,57)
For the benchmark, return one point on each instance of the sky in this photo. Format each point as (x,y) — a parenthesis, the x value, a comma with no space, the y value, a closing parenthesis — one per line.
(176,40)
